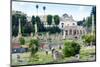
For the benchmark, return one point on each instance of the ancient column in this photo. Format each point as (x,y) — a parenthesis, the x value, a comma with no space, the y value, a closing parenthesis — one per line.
(35,28)
(64,34)
(19,29)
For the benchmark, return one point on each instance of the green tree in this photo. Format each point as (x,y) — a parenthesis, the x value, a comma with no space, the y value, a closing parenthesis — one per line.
(28,29)
(54,29)
(37,9)
(88,39)
(22,41)
(23,22)
(39,24)
(44,8)
(15,23)
(33,23)
(56,19)
(94,14)
(14,30)
(49,19)
(89,21)
(33,20)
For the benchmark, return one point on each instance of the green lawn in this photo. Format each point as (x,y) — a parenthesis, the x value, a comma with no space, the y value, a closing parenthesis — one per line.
(86,54)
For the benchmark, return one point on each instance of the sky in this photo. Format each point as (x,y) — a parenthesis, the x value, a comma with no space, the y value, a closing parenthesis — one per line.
(77,11)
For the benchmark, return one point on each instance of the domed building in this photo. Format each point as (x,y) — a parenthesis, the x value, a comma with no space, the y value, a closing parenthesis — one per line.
(69,27)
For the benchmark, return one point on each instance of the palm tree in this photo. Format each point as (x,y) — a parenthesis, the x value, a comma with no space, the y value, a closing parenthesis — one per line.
(37,9)
(44,8)
(37,15)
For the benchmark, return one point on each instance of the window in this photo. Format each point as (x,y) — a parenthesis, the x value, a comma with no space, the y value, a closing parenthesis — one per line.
(62,25)
(74,32)
(73,23)
(66,32)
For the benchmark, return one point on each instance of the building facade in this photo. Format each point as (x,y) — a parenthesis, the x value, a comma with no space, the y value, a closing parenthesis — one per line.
(69,27)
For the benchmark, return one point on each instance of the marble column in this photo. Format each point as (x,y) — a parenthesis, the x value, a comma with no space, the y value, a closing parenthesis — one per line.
(19,29)
(35,28)
(64,34)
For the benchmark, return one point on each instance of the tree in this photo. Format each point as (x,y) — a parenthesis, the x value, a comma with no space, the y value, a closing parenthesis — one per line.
(33,20)
(15,23)
(37,9)
(56,19)
(14,30)
(39,24)
(94,14)
(49,19)
(81,23)
(28,28)
(88,22)
(23,22)
(33,23)
(88,39)
(93,10)
(22,41)
(53,30)
(44,8)
(71,48)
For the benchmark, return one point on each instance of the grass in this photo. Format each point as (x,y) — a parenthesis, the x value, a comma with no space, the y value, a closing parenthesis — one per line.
(86,54)
(42,58)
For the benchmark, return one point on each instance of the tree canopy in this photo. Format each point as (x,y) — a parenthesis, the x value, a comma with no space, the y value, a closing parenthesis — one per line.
(56,19)
(49,19)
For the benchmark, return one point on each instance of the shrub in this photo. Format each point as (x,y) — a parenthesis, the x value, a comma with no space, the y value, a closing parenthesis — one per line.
(89,38)
(34,44)
(71,48)
(22,41)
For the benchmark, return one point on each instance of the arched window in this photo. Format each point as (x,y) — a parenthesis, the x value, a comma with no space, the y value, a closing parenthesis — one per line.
(62,24)
(74,32)
(66,32)
(70,32)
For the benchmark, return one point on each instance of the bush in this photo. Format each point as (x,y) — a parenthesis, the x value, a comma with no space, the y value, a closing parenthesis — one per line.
(53,30)
(22,41)
(71,48)
(89,38)
(34,44)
